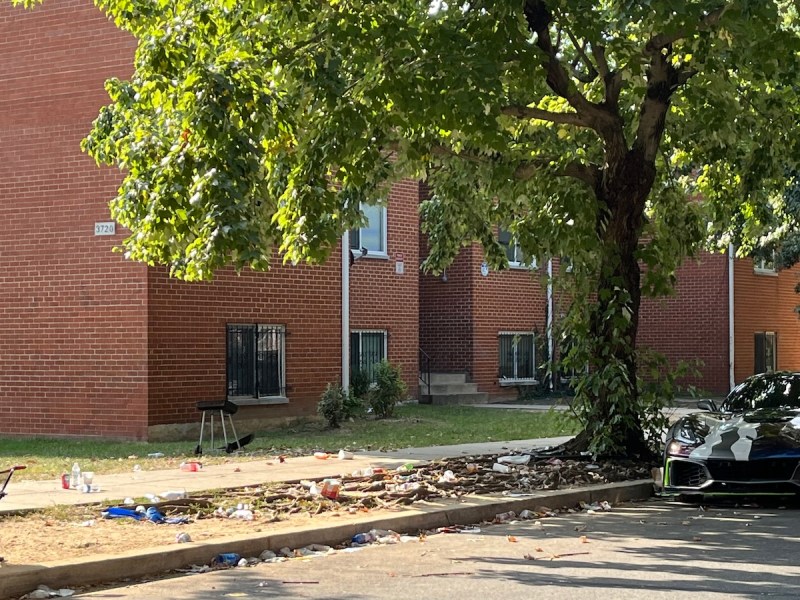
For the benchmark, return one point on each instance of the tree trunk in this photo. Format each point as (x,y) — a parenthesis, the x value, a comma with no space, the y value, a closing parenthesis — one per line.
(613,421)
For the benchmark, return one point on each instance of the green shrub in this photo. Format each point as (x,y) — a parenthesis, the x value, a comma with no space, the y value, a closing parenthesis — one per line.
(389,390)
(360,383)
(331,405)
(354,406)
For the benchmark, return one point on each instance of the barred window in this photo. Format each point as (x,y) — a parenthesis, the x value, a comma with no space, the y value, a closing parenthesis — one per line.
(256,364)
(517,355)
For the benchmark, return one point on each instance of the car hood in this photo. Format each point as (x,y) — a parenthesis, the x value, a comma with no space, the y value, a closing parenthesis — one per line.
(764,433)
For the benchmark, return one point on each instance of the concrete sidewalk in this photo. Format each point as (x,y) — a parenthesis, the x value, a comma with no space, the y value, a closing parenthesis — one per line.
(31,495)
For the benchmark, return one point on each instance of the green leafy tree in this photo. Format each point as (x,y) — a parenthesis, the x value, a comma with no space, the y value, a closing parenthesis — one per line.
(587,128)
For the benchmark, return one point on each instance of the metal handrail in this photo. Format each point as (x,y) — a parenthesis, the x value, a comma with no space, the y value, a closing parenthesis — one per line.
(425,373)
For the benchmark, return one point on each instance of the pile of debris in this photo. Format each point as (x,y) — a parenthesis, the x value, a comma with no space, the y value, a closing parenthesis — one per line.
(358,491)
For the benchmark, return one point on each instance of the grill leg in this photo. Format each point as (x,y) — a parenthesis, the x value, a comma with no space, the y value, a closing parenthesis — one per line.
(199,449)
(235,437)
(224,432)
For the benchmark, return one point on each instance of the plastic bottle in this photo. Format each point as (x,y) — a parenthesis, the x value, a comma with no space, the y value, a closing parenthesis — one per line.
(363,538)
(75,476)
(228,559)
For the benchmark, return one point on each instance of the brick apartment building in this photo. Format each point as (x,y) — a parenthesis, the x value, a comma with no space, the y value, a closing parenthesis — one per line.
(492,326)
(94,345)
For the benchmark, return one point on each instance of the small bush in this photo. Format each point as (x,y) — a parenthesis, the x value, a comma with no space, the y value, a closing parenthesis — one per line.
(359,384)
(331,405)
(389,390)
(354,406)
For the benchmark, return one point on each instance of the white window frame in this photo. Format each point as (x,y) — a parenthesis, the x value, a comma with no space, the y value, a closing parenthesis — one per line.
(517,251)
(515,379)
(763,266)
(383,231)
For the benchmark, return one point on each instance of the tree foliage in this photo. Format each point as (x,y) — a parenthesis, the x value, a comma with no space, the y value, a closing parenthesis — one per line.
(620,133)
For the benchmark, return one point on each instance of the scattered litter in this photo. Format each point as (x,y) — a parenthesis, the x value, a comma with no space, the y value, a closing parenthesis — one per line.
(191,466)
(406,468)
(345,455)
(592,467)
(511,538)
(500,468)
(45,592)
(226,559)
(183,538)
(174,495)
(156,455)
(267,555)
(505,517)
(516,459)
(448,477)
(89,523)
(330,488)
(583,539)
(321,455)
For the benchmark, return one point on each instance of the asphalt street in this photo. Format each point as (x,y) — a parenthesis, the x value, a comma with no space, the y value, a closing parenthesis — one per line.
(649,550)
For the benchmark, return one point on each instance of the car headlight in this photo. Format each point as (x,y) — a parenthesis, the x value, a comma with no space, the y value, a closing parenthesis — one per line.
(681,448)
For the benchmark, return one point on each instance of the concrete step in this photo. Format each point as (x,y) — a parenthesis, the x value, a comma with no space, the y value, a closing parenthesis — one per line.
(475,398)
(449,388)
(445,378)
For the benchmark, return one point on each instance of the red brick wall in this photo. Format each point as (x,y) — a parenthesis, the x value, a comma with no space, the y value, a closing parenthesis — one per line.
(188,321)
(765,303)
(380,298)
(693,323)
(71,312)
(511,300)
(187,335)
(446,314)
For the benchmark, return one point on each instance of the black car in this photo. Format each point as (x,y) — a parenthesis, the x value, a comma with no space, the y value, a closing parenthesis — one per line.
(748,446)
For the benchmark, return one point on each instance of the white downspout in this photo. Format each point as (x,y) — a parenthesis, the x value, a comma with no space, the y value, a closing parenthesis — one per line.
(346,311)
(731,342)
(550,344)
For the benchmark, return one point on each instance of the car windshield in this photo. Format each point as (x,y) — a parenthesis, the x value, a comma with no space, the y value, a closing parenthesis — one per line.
(768,391)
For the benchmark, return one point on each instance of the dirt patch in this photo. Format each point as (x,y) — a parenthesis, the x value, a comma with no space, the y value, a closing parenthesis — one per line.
(69,532)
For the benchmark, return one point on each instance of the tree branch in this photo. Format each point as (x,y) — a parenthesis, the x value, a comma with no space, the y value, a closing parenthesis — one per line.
(592,71)
(528,112)
(605,121)
(589,174)
(662,40)
(599,53)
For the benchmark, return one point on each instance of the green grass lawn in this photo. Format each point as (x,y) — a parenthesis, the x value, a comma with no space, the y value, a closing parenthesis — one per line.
(413,425)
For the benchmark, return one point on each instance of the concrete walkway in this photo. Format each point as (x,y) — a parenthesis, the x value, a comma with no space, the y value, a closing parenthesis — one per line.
(30,495)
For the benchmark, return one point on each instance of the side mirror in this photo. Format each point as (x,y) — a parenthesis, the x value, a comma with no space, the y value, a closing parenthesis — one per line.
(707,405)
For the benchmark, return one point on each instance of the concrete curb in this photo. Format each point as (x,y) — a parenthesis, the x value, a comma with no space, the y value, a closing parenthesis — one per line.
(19,580)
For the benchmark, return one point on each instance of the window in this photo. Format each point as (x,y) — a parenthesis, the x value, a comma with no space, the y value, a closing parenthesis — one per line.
(373,235)
(516,356)
(766,355)
(367,350)
(513,252)
(765,266)
(256,364)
